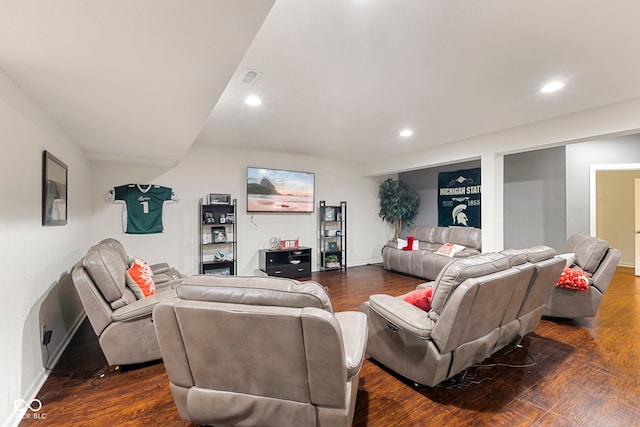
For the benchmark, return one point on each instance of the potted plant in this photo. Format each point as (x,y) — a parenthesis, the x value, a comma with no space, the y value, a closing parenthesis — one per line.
(398,205)
(331,261)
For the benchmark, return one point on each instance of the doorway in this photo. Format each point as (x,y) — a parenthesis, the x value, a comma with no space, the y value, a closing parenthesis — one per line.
(612,208)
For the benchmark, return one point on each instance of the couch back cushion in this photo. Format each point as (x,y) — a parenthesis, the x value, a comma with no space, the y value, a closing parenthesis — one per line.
(266,291)
(459,270)
(589,251)
(468,237)
(118,247)
(108,272)
(422,233)
(532,254)
(431,238)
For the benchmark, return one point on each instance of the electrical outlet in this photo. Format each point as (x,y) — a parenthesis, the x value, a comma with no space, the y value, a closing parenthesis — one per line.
(46,338)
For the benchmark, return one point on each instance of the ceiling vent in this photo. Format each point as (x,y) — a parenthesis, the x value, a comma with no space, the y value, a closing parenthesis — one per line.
(249,76)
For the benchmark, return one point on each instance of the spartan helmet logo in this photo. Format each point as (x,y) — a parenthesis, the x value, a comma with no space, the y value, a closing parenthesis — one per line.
(459,216)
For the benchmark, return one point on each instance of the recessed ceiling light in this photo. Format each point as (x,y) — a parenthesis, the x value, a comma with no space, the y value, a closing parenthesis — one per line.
(253,101)
(406,133)
(552,87)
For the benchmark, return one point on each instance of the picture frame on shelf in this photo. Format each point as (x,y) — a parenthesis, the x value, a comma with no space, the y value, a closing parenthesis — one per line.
(329,213)
(208,217)
(332,246)
(219,234)
(219,199)
(230,217)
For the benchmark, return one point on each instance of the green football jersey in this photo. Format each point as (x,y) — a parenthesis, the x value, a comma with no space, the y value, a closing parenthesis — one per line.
(144,206)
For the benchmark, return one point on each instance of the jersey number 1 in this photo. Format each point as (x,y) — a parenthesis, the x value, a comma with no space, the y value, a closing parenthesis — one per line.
(145,207)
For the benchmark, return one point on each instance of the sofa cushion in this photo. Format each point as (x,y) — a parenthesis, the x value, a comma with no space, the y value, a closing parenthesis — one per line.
(268,291)
(515,256)
(106,269)
(466,236)
(421,298)
(461,269)
(589,251)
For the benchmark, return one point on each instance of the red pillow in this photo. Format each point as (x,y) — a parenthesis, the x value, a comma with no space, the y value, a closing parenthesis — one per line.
(574,278)
(420,298)
(139,279)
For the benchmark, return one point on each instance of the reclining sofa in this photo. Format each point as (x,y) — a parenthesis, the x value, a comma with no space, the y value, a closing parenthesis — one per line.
(598,261)
(479,305)
(248,351)
(425,262)
(122,321)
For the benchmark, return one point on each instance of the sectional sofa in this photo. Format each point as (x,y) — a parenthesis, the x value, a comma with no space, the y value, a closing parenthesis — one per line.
(425,261)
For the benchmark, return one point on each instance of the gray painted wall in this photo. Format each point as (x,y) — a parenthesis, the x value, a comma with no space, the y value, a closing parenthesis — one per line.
(535,199)
(425,182)
(579,158)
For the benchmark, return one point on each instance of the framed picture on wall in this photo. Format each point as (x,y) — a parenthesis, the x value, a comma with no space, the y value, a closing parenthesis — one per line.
(54,190)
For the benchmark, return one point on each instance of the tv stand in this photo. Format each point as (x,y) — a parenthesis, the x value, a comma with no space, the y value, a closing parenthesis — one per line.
(292,263)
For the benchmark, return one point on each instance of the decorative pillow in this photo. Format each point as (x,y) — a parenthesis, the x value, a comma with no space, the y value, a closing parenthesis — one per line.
(574,278)
(402,244)
(139,279)
(421,298)
(449,249)
(569,257)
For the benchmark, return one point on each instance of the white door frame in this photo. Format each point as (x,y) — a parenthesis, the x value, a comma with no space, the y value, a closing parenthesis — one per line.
(592,188)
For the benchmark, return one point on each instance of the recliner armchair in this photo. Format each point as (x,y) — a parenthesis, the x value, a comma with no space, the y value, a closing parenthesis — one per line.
(473,313)
(599,261)
(122,322)
(247,351)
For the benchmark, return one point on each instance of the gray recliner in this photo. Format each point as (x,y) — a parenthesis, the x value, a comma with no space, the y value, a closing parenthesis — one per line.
(548,268)
(122,322)
(473,313)
(249,351)
(599,261)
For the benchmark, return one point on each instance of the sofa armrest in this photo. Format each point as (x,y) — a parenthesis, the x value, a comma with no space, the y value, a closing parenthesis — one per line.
(402,314)
(353,325)
(161,267)
(143,307)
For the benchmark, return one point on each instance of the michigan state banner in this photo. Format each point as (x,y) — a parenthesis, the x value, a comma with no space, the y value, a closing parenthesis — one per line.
(459,198)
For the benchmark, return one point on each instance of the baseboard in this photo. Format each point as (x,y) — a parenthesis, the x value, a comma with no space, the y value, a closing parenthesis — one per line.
(626,264)
(17,415)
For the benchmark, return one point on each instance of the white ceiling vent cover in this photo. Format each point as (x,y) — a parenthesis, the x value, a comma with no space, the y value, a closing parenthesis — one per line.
(249,76)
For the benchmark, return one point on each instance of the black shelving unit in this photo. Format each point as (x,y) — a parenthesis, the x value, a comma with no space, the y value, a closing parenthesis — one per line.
(218,238)
(332,236)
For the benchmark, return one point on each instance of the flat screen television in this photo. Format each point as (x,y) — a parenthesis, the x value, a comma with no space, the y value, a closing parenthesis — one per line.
(276,190)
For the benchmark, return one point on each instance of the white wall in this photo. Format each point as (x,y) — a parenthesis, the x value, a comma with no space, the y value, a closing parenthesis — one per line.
(223,170)
(34,257)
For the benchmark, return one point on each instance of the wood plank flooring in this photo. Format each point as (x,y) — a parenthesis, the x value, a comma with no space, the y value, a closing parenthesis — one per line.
(586,373)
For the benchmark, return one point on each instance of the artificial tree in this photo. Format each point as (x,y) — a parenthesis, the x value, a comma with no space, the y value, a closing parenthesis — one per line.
(398,205)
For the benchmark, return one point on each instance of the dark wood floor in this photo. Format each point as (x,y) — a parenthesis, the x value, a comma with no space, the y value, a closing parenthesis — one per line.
(586,373)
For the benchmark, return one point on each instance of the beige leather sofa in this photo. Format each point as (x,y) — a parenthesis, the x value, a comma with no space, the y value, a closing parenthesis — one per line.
(479,305)
(249,351)
(599,261)
(122,322)
(425,262)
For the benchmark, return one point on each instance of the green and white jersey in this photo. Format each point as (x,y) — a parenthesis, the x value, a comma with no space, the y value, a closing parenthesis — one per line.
(144,206)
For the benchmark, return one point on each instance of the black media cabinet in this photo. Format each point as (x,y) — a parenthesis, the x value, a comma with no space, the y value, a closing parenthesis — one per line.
(292,263)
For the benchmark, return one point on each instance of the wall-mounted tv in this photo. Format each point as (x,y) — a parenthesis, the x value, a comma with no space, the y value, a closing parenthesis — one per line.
(275,190)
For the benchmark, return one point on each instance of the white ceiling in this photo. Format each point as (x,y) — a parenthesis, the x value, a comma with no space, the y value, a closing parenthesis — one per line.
(340,78)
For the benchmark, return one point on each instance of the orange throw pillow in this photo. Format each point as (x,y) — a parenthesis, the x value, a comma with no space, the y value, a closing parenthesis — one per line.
(139,279)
